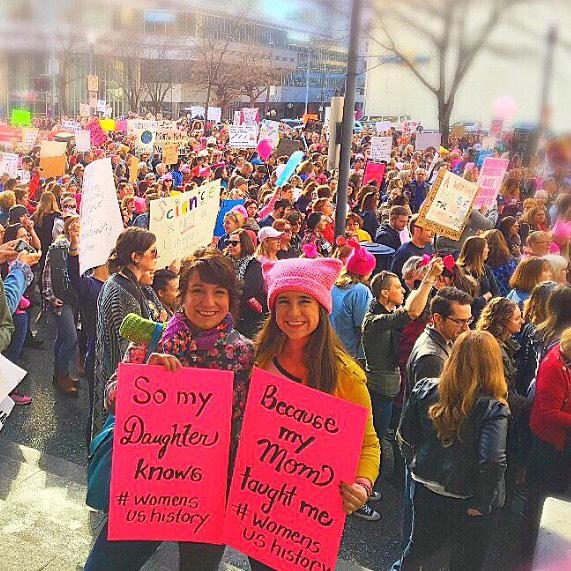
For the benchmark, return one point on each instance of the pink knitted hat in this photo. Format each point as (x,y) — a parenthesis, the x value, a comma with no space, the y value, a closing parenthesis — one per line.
(360,261)
(315,277)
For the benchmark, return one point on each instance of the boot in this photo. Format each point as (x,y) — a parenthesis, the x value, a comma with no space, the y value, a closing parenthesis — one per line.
(65,384)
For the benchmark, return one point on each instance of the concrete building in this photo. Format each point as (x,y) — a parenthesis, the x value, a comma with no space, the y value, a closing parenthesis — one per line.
(48,47)
(512,66)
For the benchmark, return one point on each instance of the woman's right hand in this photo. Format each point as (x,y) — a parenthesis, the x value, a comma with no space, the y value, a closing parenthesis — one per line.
(57,302)
(168,361)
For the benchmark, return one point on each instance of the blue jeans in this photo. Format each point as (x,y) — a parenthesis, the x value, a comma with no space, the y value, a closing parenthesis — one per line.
(66,340)
(21,323)
(132,555)
(382,412)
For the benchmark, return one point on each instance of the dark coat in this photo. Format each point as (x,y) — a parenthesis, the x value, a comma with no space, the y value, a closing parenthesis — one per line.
(474,465)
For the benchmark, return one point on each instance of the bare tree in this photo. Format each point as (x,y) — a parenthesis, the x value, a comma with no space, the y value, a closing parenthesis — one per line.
(259,74)
(454,32)
(124,69)
(159,70)
(67,54)
(228,86)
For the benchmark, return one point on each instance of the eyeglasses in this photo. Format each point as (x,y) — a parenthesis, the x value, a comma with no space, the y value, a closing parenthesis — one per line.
(233,242)
(462,322)
(154,253)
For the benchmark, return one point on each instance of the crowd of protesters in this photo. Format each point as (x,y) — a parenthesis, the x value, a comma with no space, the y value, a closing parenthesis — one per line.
(460,349)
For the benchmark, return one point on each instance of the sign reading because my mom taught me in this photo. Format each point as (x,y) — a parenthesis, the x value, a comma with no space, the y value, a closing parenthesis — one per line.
(170,454)
(296,446)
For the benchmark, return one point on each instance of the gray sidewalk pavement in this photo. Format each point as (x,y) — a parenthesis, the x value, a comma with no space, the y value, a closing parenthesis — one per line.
(45,524)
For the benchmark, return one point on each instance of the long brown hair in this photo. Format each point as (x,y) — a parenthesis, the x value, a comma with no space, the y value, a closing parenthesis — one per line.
(499,249)
(471,258)
(535,306)
(496,316)
(323,353)
(474,368)
(47,205)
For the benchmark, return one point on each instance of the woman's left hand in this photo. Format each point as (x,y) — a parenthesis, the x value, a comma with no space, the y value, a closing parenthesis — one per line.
(168,361)
(354,497)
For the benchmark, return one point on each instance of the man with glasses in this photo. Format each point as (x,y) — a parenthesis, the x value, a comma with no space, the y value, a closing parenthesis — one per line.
(451,314)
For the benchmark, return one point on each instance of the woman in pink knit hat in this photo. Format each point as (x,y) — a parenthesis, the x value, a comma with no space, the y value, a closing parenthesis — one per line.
(352,297)
(298,342)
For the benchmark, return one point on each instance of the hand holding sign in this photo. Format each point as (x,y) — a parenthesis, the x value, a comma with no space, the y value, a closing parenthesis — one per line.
(170,454)
(291,489)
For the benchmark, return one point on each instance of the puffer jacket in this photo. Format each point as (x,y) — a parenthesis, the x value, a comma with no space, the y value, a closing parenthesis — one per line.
(473,466)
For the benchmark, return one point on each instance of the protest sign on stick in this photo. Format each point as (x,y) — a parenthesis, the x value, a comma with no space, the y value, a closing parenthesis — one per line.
(285,507)
(170,154)
(381,148)
(144,141)
(133,163)
(490,181)
(52,166)
(170,454)
(426,140)
(83,141)
(374,171)
(448,205)
(249,116)
(184,222)
(98,135)
(101,221)
(52,149)
(29,137)
(9,164)
(287,147)
(243,136)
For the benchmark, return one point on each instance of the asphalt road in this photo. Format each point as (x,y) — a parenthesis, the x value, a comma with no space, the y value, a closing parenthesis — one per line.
(55,424)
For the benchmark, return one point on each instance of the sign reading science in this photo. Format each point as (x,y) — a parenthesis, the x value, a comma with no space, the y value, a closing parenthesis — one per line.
(296,446)
(185,222)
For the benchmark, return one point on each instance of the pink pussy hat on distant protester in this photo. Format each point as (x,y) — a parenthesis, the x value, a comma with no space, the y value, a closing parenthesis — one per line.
(360,261)
(315,277)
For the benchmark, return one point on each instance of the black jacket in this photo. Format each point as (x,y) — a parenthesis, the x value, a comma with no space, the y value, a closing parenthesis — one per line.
(250,319)
(427,358)
(474,464)
(388,236)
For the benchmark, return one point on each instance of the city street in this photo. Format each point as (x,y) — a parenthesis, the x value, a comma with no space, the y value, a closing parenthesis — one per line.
(54,426)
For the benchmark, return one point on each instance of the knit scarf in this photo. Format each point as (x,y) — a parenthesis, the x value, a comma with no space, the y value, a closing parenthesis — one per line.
(241,265)
(193,340)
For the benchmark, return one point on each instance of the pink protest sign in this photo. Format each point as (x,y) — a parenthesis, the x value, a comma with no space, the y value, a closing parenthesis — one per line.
(296,446)
(97,134)
(374,171)
(121,126)
(490,181)
(170,454)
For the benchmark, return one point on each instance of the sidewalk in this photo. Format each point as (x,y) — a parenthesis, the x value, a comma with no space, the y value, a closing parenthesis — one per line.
(45,524)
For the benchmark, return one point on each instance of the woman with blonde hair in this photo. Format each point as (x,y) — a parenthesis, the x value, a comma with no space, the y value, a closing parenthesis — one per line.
(44,218)
(453,436)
